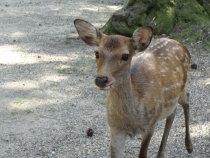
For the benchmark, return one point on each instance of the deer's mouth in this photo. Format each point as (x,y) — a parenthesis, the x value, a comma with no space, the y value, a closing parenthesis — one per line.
(107,87)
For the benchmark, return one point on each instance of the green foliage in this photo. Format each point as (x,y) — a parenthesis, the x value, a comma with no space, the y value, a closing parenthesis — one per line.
(20,102)
(61,70)
(14,113)
(102,102)
(28,111)
(70,127)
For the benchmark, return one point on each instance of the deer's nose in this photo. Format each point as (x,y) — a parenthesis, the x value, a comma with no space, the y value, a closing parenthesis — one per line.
(101,81)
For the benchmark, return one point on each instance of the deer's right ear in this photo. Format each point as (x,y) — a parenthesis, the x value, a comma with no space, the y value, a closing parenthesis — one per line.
(88,33)
(141,38)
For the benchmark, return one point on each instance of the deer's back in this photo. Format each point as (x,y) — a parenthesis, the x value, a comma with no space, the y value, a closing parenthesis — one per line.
(159,74)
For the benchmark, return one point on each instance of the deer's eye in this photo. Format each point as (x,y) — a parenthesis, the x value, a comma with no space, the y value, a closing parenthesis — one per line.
(96,54)
(125,57)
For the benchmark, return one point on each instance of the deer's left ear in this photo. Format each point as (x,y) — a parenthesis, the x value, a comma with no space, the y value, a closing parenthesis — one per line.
(88,33)
(141,38)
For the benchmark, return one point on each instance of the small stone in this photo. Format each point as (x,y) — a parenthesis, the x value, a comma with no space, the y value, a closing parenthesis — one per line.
(90,132)
(49,156)
(39,154)
(194,66)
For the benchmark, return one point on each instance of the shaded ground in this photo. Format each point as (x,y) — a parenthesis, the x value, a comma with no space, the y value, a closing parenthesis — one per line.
(48,98)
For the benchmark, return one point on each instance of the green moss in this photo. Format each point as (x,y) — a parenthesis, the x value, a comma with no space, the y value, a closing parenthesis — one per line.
(107,28)
(141,20)
(206,6)
(191,11)
(165,20)
(192,22)
(160,4)
(127,31)
(184,20)
(130,3)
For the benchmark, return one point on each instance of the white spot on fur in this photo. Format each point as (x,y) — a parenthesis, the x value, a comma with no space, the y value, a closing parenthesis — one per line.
(177,69)
(185,64)
(165,43)
(154,50)
(169,54)
(177,58)
(152,82)
(176,48)
(163,70)
(173,86)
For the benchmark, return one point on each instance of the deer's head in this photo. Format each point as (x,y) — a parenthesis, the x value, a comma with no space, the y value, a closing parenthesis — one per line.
(113,52)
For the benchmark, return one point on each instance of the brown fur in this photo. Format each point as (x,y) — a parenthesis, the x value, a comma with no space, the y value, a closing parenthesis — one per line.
(112,43)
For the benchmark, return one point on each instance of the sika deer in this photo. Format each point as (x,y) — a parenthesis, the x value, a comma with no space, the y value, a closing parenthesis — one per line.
(143,88)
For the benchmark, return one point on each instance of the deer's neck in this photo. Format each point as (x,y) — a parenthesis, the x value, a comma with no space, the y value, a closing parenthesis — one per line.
(121,98)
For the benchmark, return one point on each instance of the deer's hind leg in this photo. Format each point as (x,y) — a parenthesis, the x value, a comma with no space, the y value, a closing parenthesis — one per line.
(169,122)
(184,102)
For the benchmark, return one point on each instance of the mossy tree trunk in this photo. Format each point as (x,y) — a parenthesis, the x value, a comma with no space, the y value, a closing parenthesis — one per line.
(187,20)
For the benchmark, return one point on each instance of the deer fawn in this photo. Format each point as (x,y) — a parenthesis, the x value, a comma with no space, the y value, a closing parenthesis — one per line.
(143,88)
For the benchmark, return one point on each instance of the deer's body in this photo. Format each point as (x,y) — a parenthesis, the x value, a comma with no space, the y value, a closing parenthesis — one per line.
(153,89)
(143,88)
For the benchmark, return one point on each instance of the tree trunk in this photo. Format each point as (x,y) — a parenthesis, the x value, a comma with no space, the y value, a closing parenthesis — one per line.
(185,20)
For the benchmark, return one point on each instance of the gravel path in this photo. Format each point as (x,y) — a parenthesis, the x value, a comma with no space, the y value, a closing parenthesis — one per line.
(48,98)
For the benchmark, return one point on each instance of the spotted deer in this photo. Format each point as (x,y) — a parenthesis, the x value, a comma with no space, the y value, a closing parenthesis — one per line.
(144,88)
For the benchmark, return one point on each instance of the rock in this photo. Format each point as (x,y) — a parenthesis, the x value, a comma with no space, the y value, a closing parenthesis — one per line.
(194,66)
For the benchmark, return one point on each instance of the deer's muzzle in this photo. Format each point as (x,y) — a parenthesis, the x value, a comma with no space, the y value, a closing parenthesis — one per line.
(101,81)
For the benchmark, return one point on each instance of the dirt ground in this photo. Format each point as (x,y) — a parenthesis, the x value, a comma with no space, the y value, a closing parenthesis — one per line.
(48,98)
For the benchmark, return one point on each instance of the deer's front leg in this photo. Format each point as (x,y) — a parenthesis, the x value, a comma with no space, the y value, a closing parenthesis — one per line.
(145,143)
(117,143)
